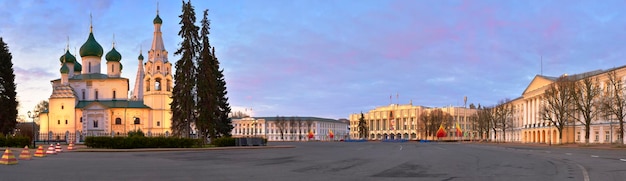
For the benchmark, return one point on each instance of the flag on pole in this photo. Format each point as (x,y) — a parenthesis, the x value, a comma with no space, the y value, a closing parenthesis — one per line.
(459,132)
(441,132)
(310,134)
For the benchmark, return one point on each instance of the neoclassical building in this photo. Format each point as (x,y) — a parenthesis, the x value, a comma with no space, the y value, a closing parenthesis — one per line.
(529,127)
(402,121)
(293,128)
(86,101)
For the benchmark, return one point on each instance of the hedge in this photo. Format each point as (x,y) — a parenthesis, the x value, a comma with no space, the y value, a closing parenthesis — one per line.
(224,141)
(17,141)
(140,142)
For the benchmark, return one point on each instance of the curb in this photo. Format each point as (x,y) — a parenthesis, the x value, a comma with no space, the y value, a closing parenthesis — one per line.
(179,149)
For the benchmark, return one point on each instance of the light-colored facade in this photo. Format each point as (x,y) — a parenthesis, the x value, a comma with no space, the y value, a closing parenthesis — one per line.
(529,127)
(293,128)
(403,122)
(85,101)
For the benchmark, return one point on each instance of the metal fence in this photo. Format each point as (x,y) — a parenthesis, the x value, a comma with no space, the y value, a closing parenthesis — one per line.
(79,137)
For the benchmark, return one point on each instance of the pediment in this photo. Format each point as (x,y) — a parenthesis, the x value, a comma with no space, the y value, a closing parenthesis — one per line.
(538,82)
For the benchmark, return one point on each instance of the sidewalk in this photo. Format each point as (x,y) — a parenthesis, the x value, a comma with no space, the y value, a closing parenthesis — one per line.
(566,145)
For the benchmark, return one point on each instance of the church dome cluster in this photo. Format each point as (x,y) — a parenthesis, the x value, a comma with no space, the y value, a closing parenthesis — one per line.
(67,58)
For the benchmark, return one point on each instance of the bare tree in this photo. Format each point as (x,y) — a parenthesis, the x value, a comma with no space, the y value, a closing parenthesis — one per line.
(557,103)
(502,114)
(484,120)
(309,124)
(424,118)
(586,97)
(292,126)
(281,124)
(614,101)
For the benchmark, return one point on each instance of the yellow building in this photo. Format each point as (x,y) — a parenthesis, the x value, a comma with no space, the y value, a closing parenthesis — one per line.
(85,101)
(403,122)
(529,127)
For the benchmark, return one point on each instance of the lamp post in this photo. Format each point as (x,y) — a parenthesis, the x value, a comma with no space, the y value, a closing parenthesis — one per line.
(32,116)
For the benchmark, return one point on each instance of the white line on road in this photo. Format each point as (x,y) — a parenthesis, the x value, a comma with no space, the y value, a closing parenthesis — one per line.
(624,160)
(400,147)
(440,148)
(568,153)
(594,156)
(585,174)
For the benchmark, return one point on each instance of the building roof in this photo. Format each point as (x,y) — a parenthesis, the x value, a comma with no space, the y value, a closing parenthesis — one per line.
(62,91)
(113,104)
(91,47)
(299,118)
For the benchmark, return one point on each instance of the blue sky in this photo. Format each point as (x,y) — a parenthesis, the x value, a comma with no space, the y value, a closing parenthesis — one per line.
(333,58)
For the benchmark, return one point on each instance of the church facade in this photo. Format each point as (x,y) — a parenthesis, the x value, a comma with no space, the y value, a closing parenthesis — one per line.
(86,101)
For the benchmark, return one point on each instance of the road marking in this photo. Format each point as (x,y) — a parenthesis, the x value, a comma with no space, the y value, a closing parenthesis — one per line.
(400,147)
(568,153)
(594,156)
(585,174)
(624,160)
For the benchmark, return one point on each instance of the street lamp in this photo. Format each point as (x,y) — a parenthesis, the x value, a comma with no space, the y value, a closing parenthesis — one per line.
(32,116)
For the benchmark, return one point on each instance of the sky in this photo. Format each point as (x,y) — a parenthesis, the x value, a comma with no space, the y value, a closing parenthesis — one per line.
(334,58)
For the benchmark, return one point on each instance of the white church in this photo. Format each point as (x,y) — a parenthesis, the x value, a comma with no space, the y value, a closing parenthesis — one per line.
(86,101)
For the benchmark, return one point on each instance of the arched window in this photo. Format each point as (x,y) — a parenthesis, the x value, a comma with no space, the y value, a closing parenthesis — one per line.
(158,123)
(157,84)
(137,121)
(89,65)
(58,121)
(112,68)
(95,123)
(114,95)
(169,87)
(148,85)
(96,95)
(118,120)
(66,121)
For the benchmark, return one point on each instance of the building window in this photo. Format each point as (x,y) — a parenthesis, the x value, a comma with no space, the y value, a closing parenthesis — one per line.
(157,84)
(81,119)
(114,95)
(597,136)
(66,121)
(607,136)
(58,121)
(118,120)
(89,65)
(96,95)
(95,123)
(148,85)
(168,85)
(137,121)
(158,123)
(577,136)
(62,107)
(83,94)
(112,68)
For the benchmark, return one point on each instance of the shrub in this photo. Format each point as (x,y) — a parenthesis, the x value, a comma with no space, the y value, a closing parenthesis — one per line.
(14,141)
(224,141)
(138,133)
(137,141)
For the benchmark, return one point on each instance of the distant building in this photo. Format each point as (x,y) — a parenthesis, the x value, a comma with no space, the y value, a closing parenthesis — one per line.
(293,128)
(403,122)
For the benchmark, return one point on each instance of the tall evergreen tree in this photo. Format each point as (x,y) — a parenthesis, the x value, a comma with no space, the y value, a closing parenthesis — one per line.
(224,123)
(183,103)
(207,101)
(8,102)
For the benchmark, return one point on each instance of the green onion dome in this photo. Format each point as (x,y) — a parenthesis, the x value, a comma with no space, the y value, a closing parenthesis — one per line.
(78,67)
(67,57)
(113,55)
(140,57)
(91,47)
(65,69)
(157,20)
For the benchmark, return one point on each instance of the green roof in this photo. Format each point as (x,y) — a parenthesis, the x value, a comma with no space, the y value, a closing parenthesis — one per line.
(140,57)
(113,104)
(65,69)
(91,76)
(91,47)
(67,57)
(157,20)
(78,67)
(113,55)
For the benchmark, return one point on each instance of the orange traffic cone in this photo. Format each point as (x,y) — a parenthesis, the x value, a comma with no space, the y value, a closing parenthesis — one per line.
(25,155)
(8,158)
(40,152)
(71,146)
(51,150)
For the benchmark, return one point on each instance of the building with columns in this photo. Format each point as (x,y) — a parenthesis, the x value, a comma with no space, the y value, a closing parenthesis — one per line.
(402,121)
(293,128)
(85,101)
(529,127)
